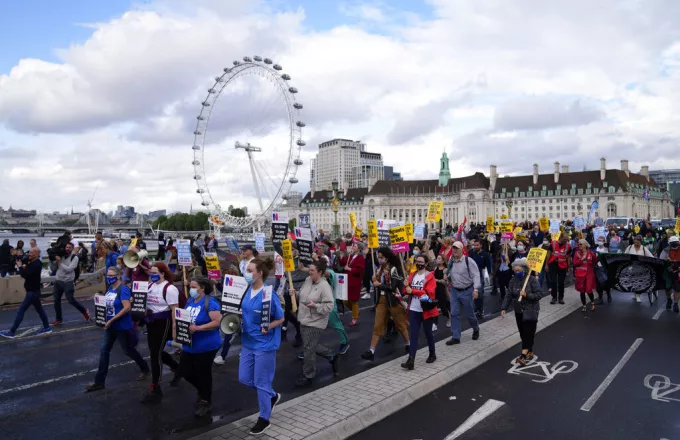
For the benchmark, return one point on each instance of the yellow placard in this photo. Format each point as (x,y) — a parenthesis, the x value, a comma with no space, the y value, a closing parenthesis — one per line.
(637,229)
(373,234)
(211,262)
(353,220)
(357,234)
(398,235)
(133,242)
(287,249)
(536,258)
(555,236)
(677,225)
(504,216)
(507,226)
(518,230)
(489,224)
(544,224)
(409,232)
(521,237)
(434,211)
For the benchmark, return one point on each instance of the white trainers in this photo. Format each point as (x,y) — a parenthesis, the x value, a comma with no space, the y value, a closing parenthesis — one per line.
(448,323)
(638,299)
(434,327)
(365,296)
(219,360)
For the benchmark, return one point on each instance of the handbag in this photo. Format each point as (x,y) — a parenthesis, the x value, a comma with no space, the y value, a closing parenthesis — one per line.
(429,305)
(601,275)
(530,315)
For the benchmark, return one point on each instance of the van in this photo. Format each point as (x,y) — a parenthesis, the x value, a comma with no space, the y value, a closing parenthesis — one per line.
(626,222)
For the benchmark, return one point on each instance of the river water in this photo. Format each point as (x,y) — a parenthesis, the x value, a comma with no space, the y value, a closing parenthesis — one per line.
(44,242)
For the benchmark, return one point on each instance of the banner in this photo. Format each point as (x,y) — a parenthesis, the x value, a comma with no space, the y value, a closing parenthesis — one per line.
(138,300)
(384,227)
(304,220)
(100,310)
(212,263)
(507,227)
(279,225)
(634,273)
(489,224)
(232,292)
(398,239)
(352,220)
(259,241)
(373,234)
(357,234)
(341,287)
(536,258)
(288,261)
(419,232)
(434,212)
(182,324)
(554,226)
(591,213)
(544,224)
(409,232)
(303,238)
(183,252)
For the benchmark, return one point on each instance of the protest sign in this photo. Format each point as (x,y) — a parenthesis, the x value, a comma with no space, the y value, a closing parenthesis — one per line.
(507,227)
(434,211)
(232,245)
(183,252)
(504,216)
(555,225)
(419,232)
(303,238)
(384,231)
(555,236)
(677,225)
(536,258)
(304,220)
(598,232)
(398,239)
(182,324)
(544,224)
(288,261)
(138,300)
(212,264)
(489,224)
(232,293)
(373,234)
(259,241)
(409,232)
(579,223)
(100,310)
(279,225)
(357,234)
(518,230)
(353,220)
(507,236)
(341,291)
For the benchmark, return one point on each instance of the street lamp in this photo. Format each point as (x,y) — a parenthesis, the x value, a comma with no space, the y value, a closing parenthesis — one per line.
(336,226)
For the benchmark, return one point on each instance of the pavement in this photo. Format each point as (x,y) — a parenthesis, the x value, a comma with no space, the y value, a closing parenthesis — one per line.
(42,380)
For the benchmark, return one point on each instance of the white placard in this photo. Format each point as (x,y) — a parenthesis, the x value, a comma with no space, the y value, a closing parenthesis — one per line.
(341,291)
(259,241)
(233,289)
(555,226)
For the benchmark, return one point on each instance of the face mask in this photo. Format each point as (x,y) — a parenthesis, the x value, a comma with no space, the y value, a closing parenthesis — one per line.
(520,248)
(111,280)
(155,277)
(249,278)
(416,252)
(420,266)
(519,274)
(382,261)
(193,293)
(546,242)
(600,244)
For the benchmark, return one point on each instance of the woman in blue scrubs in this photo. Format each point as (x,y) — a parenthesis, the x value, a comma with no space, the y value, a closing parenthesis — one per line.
(260,340)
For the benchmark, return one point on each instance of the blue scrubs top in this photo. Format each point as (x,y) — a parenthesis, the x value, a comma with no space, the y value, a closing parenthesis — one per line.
(251,334)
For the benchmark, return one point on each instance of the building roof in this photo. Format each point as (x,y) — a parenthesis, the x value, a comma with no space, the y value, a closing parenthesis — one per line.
(353,195)
(382,187)
(615,178)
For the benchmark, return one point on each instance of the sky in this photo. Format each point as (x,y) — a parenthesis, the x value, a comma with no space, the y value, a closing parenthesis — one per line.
(102,97)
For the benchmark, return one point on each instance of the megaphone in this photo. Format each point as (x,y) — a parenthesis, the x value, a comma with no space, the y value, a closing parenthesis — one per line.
(132,258)
(230,324)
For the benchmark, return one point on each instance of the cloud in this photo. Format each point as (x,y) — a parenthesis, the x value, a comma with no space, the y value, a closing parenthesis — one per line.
(539,112)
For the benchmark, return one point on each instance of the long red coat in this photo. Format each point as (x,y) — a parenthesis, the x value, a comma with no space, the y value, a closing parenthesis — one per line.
(584,271)
(357,265)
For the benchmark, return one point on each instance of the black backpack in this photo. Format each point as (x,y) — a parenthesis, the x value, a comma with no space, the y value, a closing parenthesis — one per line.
(77,271)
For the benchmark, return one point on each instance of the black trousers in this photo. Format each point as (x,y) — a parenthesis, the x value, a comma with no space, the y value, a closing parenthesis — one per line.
(504,277)
(444,304)
(527,331)
(558,277)
(196,368)
(158,333)
(291,317)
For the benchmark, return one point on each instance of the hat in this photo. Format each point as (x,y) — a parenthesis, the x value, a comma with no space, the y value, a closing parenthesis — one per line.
(249,247)
(458,245)
(582,241)
(673,239)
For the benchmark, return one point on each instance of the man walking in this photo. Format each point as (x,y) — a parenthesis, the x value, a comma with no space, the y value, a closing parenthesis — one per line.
(465,286)
(31,275)
(483,261)
(66,274)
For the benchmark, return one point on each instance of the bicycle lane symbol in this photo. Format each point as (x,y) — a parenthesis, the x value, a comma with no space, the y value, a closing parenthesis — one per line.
(658,383)
(542,371)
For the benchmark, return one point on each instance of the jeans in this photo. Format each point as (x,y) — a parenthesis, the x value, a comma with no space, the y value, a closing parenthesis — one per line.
(31,299)
(462,298)
(527,331)
(541,277)
(123,337)
(335,323)
(416,319)
(256,370)
(196,368)
(479,302)
(226,345)
(158,333)
(67,287)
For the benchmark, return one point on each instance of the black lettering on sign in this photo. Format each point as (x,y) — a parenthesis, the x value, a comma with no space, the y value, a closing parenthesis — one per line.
(279,231)
(182,323)
(305,248)
(100,310)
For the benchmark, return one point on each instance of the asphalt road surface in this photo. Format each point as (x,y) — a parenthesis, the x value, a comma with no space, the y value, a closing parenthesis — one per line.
(608,374)
(42,380)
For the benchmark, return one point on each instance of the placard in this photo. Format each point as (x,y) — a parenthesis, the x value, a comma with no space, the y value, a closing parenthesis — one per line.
(507,227)
(598,232)
(677,225)
(100,310)
(398,239)
(373,242)
(544,224)
(554,225)
(504,216)
(489,224)
(384,227)
(182,324)
(212,263)
(287,250)
(419,232)
(579,223)
(305,244)
(266,314)
(352,220)
(409,232)
(259,241)
(138,300)
(357,234)
(434,211)
(313,228)
(507,236)
(304,220)
(536,258)
(183,252)
(341,291)
(232,292)
(279,225)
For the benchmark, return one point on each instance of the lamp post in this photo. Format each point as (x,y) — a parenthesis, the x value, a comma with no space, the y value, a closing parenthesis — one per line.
(336,225)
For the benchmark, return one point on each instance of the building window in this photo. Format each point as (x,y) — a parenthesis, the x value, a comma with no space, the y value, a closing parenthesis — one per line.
(588,185)
(611,210)
(544,188)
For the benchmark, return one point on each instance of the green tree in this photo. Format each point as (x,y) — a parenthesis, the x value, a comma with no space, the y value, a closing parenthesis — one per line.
(158,223)
(238,212)
(200,222)
(292,223)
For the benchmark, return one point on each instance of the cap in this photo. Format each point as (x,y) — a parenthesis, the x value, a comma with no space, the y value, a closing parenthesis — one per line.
(249,247)
(673,239)
(458,245)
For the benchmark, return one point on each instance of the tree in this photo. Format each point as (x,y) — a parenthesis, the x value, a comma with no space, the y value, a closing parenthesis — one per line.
(238,212)
(292,223)
(158,223)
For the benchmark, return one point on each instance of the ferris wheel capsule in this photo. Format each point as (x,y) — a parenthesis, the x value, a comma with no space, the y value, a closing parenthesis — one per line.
(257,58)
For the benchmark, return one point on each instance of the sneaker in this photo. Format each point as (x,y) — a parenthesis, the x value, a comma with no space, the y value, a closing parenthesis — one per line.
(530,356)
(260,427)
(275,400)
(368,355)
(434,328)
(553,301)
(8,334)
(94,387)
(334,364)
(675,308)
(86,315)
(44,331)
(154,395)
(669,303)
(448,323)
(219,360)
(453,341)
(301,355)
(521,360)
(475,335)
(203,408)
(56,322)
(366,296)
(175,379)
(638,299)
(343,348)
(143,375)
(303,382)
(353,323)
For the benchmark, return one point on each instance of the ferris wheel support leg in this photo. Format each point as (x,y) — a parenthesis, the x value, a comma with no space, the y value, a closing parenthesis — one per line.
(257,187)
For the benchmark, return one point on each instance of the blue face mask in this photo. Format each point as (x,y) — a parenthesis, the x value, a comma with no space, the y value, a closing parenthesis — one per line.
(519,274)
(155,277)
(416,252)
(249,278)
(111,280)
(193,293)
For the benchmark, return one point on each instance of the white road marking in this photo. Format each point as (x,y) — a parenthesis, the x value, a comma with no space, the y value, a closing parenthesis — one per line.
(59,379)
(27,331)
(489,407)
(659,312)
(611,376)
(86,327)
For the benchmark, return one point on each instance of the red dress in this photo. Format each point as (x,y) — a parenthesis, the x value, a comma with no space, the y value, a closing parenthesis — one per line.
(357,265)
(584,271)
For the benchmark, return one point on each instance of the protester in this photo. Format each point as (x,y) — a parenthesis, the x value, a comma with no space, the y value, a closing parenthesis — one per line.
(584,273)
(441,290)
(601,278)
(31,275)
(559,264)
(66,274)
(160,254)
(526,310)
(195,362)
(257,363)
(248,254)
(356,265)
(119,326)
(446,249)
(503,272)
(422,310)
(483,261)
(672,255)
(465,284)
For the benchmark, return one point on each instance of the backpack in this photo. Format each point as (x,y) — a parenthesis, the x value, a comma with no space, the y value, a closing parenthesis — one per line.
(181,298)
(77,271)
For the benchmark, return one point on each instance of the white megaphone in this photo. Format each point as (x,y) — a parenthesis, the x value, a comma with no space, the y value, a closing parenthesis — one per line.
(132,258)
(230,324)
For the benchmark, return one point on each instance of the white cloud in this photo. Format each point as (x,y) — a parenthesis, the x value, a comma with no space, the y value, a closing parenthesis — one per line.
(568,81)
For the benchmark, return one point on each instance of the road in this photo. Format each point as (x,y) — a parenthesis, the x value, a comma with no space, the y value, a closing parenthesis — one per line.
(576,390)
(42,380)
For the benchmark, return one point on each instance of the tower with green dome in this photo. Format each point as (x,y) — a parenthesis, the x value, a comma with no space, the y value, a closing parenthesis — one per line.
(444,172)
